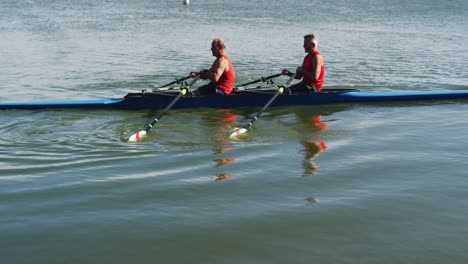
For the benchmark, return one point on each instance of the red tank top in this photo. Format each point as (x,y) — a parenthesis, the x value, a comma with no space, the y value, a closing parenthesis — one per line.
(307,64)
(226,81)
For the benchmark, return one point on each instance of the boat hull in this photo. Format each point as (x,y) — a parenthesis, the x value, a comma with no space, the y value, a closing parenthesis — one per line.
(245,99)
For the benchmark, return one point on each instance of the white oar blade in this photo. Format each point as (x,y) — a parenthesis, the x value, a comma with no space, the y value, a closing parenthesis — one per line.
(137,136)
(237,133)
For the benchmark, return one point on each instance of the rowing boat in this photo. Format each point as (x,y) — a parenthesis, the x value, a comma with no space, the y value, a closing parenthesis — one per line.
(243,98)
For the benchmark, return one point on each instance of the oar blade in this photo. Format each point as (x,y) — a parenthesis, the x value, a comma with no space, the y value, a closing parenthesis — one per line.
(237,133)
(142,133)
(137,136)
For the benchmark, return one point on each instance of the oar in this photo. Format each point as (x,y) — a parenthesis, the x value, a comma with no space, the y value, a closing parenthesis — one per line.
(139,135)
(177,81)
(238,132)
(262,79)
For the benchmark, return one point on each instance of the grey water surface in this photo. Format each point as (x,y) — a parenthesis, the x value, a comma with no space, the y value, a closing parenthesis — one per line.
(373,183)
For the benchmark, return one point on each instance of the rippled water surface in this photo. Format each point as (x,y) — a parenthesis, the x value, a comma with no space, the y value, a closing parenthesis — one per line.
(376,183)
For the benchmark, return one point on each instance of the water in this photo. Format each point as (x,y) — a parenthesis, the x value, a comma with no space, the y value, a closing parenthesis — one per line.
(380,183)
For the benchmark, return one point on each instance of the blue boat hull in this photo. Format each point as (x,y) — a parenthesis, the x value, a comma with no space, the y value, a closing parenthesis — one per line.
(246,99)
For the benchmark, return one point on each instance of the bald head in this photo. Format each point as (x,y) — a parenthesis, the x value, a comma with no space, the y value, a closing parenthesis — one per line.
(217,47)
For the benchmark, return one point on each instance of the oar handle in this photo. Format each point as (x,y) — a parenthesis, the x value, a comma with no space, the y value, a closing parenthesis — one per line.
(176,81)
(286,72)
(262,79)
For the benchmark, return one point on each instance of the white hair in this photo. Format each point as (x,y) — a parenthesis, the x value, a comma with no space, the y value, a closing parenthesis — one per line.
(312,38)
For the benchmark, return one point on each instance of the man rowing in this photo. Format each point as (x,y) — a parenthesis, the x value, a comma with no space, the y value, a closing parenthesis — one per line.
(312,70)
(221,74)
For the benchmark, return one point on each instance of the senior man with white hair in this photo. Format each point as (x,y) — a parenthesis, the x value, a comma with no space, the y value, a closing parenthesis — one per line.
(312,70)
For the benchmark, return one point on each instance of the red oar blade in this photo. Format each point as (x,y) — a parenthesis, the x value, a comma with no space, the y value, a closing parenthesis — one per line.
(137,136)
(237,133)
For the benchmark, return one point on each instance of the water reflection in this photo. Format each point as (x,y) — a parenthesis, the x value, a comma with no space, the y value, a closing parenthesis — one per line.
(222,144)
(312,149)
(311,140)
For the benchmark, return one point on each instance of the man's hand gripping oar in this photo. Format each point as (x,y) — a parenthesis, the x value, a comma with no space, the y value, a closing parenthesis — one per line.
(238,132)
(184,89)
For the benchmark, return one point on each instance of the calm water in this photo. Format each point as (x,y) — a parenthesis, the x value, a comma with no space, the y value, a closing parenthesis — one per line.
(381,183)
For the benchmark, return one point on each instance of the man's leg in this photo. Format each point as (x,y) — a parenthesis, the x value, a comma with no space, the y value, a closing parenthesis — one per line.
(302,87)
(299,87)
(205,89)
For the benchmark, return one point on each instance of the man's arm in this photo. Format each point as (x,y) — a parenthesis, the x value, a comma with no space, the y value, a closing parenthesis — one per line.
(317,63)
(217,69)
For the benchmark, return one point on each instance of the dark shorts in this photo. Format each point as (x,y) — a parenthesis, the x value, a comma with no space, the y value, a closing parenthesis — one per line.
(210,88)
(302,87)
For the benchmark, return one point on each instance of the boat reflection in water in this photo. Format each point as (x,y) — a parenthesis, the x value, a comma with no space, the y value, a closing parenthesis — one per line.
(222,144)
(310,129)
